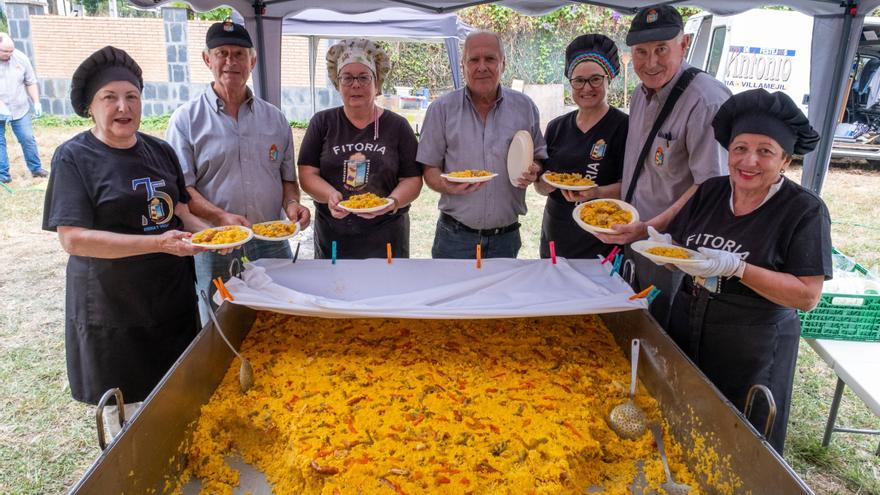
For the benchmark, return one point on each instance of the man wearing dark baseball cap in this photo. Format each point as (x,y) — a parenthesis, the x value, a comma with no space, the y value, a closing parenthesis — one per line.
(665,162)
(236,152)
(227,33)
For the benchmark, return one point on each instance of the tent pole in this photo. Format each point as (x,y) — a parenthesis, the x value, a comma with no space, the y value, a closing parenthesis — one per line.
(313,50)
(814,179)
(259,11)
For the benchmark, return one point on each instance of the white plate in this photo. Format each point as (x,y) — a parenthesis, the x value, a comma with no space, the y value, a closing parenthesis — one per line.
(281,238)
(366,210)
(565,187)
(576,214)
(642,247)
(520,155)
(469,180)
(228,244)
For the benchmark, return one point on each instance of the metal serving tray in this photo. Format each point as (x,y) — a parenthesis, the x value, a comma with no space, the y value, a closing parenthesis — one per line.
(146,453)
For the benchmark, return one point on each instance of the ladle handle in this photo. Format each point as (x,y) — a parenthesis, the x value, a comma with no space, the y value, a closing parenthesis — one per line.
(217,323)
(634,356)
(658,439)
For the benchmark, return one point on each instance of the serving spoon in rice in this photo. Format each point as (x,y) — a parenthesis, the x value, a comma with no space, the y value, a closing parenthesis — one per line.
(627,419)
(670,486)
(245,372)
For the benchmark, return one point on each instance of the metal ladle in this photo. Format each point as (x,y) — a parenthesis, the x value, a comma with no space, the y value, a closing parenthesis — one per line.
(670,486)
(245,372)
(627,419)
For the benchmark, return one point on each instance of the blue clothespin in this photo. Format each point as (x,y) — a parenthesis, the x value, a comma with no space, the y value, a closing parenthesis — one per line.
(333,253)
(652,295)
(615,268)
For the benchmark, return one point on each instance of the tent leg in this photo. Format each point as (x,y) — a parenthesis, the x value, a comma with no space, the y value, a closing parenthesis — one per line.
(813,179)
(259,11)
(313,50)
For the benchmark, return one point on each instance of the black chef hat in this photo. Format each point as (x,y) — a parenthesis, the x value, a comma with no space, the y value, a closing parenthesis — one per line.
(772,114)
(227,33)
(104,66)
(659,23)
(594,48)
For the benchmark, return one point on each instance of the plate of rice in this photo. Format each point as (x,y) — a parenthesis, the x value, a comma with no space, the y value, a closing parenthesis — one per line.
(597,216)
(365,203)
(278,230)
(225,237)
(568,181)
(469,176)
(664,254)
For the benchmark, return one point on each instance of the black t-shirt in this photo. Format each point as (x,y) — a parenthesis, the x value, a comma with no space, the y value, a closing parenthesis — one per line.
(597,153)
(126,191)
(790,233)
(353,162)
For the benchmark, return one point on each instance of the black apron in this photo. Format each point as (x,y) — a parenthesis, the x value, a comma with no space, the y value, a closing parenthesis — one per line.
(128,320)
(739,341)
(357,238)
(571,241)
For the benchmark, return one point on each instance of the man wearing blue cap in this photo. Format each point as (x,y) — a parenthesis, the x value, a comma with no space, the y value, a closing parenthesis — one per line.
(236,152)
(670,148)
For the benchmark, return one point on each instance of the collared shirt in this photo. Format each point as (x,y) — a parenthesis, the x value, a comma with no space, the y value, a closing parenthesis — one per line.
(454,137)
(238,165)
(683,153)
(15,74)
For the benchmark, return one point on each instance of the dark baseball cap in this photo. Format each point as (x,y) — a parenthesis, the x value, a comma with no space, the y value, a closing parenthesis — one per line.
(659,23)
(227,33)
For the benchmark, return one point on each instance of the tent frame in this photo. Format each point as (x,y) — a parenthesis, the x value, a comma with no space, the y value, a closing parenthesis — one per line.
(835,16)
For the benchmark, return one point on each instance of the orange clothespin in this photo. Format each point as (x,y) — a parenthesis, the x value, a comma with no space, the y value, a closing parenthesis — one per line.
(641,294)
(388,250)
(479,256)
(221,288)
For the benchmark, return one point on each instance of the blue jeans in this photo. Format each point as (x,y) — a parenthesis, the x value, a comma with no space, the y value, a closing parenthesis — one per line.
(210,265)
(451,241)
(24,132)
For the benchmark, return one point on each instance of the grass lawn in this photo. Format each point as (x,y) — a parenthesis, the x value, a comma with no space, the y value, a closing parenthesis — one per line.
(47,440)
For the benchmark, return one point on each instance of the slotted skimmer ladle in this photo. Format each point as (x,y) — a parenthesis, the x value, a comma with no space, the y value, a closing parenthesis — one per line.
(670,486)
(627,419)
(245,372)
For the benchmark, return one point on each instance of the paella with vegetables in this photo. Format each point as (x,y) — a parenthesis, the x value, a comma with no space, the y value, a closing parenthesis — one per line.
(392,406)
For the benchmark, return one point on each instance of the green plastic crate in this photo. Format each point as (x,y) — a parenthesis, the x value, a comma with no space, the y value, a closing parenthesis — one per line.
(844,316)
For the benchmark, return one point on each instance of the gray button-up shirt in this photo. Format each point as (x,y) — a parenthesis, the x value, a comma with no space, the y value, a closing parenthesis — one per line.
(238,165)
(15,74)
(683,153)
(454,137)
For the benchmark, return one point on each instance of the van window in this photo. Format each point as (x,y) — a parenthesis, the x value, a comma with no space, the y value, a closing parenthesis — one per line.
(716,50)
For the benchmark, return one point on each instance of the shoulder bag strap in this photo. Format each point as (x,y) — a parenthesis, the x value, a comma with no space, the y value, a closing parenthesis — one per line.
(679,88)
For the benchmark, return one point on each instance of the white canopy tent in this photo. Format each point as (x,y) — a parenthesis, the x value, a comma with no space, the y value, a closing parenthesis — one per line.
(836,30)
(386,24)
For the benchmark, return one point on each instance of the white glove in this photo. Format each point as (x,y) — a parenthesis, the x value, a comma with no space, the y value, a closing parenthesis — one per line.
(655,236)
(718,263)
(38,109)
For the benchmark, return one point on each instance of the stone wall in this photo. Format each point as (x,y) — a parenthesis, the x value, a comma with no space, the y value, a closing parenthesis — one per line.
(168,49)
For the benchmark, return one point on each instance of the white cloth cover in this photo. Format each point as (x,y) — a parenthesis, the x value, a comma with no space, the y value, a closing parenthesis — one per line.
(444,289)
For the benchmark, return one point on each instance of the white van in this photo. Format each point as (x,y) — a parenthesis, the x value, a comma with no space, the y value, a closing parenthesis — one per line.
(758,48)
(770,49)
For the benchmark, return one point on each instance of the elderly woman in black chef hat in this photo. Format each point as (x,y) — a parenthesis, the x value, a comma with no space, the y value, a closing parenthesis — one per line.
(117,199)
(589,141)
(766,243)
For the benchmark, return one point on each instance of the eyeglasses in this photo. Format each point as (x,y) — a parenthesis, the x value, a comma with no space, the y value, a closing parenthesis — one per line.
(594,81)
(363,80)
